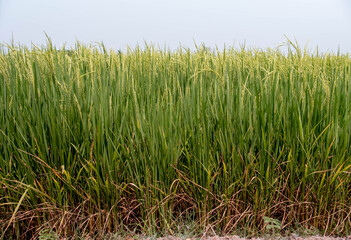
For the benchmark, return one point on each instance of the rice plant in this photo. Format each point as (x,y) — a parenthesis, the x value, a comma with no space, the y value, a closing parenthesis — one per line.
(96,141)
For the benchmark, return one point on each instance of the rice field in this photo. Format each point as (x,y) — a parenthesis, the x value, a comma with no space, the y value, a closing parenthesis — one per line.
(238,140)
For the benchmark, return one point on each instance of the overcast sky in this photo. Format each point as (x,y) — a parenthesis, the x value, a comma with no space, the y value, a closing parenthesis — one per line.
(259,23)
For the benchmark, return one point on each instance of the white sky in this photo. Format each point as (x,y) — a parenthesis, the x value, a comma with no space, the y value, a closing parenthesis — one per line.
(260,23)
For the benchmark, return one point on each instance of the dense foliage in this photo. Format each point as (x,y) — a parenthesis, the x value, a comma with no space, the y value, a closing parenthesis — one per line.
(98,141)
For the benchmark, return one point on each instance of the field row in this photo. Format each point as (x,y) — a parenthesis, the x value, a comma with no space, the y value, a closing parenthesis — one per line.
(96,141)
